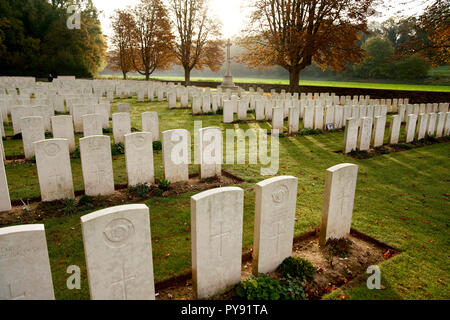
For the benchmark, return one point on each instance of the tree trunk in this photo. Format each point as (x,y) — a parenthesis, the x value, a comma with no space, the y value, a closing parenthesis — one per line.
(124,75)
(147,75)
(294,79)
(187,77)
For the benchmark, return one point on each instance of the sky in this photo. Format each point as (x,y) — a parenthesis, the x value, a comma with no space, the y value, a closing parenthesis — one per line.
(233,13)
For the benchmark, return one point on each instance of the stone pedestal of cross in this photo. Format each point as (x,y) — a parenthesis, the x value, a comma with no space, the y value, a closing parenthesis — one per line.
(228,78)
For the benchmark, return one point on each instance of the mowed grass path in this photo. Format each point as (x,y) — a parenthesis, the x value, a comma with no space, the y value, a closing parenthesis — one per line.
(313,83)
(401,199)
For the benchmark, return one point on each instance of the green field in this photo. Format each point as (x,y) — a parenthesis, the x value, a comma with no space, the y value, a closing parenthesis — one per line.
(342,84)
(401,199)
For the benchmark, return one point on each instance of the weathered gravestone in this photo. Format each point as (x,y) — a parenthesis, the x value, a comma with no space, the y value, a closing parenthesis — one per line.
(378,131)
(175,146)
(294,116)
(411,122)
(121,126)
(228,111)
(32,131)
(139,158)
(62,127)
(24,264)
(275,209)
(118,250)
(5,201)
(150,123)
(217,223)
(431,126)
(96,163)
(422,123)
(365,134)
(318,117)
(394,129)
(337,211)
(92,125)
(278,119)
(351,135)
(54,171)
(440,124)
(210,150)
(123,107)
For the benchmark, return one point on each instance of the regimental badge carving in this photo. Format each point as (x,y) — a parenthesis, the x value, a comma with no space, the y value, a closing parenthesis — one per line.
(280,196)
(118,232)
(51,149)
(139,143)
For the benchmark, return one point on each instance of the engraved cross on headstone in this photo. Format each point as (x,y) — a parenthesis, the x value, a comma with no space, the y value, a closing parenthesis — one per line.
(279,222)
(10,295)
(221,235)
(123,283)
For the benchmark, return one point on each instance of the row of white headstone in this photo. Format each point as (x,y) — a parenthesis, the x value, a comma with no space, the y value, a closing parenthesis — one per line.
(54,167)
(118,248)
(361,134)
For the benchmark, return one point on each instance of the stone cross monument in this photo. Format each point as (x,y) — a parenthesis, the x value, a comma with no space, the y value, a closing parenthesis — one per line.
(228,78)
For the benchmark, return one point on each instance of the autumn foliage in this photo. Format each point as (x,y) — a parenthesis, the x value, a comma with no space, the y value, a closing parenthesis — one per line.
(197,44)
(294,33)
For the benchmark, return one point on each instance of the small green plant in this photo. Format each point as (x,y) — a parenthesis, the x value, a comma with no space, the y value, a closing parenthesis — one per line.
(141,190)
(157,145)
(117,149)
(297,268)
(70,206)
(164,184)
(339,247)
(292,289)
(432,139)
(107,130)
(85,203)
(265,288)
(262,287)
(76,154)
(219,112)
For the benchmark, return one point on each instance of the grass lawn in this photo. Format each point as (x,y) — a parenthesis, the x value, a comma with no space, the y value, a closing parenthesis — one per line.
(343,84)
(401,199)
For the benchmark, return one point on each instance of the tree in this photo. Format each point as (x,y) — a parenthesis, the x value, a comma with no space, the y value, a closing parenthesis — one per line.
(35,40)
(431,38)
(294,33)
(120,58)
(198,41)
(152,39)
(378,63)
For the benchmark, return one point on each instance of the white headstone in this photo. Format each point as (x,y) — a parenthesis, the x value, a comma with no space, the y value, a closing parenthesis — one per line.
(275,209)
(431,126)
(217,224)
(228,111)
(318,117)
(365,134)
(118,250)
(394,129)
(294,116)
(139,158)
(96,162)
(337,211)
(422,123)
(440,124)
(24,264)
(150,123)
(5,201)
(379,127)
(121,126)
(351,135)
(123,107)
(92,125)
(411,122)
(32,131)
(63,129)
(54,171)
(278,119)
(210,148)
(175,150)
